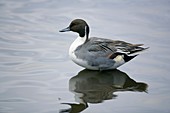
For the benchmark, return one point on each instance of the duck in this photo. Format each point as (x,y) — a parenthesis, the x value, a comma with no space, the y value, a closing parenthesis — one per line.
(96,53)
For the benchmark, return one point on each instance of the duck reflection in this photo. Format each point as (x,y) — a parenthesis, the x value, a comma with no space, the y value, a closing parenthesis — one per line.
(95,87)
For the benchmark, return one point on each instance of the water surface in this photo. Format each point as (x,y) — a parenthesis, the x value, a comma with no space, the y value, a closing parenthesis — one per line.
(37,76)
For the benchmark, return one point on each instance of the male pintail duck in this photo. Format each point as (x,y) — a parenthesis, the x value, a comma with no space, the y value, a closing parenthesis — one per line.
(97,53)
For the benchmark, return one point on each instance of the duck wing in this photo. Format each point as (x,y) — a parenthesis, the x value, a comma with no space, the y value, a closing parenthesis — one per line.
(110,47)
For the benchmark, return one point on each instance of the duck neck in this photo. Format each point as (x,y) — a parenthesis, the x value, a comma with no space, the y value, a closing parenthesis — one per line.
(81,40)
(84,34)
(84,39)
(87,30)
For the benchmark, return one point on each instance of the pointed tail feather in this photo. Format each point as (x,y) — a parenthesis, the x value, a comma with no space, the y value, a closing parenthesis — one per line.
(137,50)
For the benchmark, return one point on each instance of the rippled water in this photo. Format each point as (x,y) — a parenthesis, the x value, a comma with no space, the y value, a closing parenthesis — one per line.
(37,76)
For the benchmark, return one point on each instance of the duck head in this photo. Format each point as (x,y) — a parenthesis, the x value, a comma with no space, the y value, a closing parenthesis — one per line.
(79,26)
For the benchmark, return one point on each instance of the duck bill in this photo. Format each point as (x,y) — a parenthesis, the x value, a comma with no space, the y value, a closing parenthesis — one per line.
(65,30)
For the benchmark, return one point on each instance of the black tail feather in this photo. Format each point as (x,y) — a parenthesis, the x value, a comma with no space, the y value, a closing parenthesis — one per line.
(128,58)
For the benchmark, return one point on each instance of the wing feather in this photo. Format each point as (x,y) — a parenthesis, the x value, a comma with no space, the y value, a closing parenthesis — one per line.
(107,47)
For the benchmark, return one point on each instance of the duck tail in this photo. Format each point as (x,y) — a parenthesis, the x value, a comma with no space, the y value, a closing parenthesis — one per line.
(128,58)
(137,50)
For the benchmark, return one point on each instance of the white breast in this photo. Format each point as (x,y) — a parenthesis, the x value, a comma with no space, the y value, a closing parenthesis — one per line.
(79,41)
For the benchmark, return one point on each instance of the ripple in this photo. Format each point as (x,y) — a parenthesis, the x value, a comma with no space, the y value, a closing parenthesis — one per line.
(16,100)
(18,53)
(5,109)
(20,83)
(12,41)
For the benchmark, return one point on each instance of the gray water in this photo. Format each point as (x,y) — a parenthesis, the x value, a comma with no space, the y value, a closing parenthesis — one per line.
(37,76)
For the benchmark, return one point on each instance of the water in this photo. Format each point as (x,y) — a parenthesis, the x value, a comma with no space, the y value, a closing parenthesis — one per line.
(37,76)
